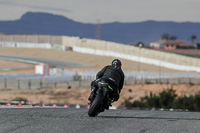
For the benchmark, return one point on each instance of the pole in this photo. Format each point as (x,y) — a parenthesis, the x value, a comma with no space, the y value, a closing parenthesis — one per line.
(98,29)
(40,84)
(29,84)
(18,81)
(5,84)
(159,71)
(140,47)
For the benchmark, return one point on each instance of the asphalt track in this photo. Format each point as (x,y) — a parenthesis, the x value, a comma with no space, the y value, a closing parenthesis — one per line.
(69,120)
(51,62)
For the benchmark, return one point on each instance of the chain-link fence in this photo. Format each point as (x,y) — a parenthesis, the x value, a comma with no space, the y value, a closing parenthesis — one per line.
(78,77)
(41,84)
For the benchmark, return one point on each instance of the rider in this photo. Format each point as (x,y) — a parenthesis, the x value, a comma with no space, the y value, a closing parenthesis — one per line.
(111,74)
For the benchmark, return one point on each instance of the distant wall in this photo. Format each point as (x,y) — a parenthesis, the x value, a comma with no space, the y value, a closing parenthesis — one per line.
(134,52)
(31,38)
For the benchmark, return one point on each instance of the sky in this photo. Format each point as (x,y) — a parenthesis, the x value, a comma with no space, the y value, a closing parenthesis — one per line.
(105,11)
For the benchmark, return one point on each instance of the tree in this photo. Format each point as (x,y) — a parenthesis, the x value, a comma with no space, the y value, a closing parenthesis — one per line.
(140,44)
(165,36)
(193,37)
(173,38)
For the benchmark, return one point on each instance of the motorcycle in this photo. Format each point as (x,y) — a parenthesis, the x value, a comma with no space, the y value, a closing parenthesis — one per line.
(102,99)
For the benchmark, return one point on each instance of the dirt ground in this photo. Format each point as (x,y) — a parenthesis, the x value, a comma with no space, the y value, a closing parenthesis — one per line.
(9,67)
(11,64)
(80,95)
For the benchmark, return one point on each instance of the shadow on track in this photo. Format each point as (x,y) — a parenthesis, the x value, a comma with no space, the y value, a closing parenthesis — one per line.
(159,118)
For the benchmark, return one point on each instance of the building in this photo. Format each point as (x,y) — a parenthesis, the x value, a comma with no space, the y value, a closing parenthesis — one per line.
(171,44)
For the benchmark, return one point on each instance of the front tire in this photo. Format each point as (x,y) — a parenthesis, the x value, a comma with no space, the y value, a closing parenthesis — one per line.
(93,110)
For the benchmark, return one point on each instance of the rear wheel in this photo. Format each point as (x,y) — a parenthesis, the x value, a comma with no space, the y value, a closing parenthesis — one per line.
(93,110)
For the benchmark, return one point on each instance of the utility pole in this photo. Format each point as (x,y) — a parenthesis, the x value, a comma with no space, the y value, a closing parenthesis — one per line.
(98,29)
(140,47)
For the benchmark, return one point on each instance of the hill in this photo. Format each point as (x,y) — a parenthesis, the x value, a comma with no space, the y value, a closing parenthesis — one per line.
(128,33)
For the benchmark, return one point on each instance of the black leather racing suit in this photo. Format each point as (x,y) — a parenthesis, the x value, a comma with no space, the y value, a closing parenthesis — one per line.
(114,77)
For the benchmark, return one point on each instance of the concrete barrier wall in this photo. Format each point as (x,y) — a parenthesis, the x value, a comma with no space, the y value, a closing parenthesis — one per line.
(34,45)
(31,38)
(146,60)
(132,50)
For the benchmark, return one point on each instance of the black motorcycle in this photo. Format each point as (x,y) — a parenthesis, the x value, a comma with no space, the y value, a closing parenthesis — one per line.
(102,99)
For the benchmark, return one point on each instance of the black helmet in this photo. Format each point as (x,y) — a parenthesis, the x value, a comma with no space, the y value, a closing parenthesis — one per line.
(116,63)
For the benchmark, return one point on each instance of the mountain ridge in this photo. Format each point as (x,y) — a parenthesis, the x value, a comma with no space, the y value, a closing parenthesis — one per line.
(127,33)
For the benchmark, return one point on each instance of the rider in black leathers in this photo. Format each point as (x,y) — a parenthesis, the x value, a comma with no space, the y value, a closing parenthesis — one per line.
(111,74)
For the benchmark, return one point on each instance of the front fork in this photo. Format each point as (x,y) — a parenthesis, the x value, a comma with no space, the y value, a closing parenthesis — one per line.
(103,91)
(107,100)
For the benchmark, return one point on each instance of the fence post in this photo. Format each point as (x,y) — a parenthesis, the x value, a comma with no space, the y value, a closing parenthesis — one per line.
(40,83)
(5,83)
(79,82)
(18,81)
(67,85)
(55,84)
(190,81)
(29,84)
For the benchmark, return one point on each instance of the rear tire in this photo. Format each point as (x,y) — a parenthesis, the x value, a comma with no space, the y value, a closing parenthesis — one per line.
(93,110)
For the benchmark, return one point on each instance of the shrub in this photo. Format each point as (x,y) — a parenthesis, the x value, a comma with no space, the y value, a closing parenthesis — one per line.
(184,103)
(167,99)
(20,99)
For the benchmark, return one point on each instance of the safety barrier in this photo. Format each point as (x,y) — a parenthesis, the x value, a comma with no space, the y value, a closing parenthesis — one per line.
(141,59)
(39,84)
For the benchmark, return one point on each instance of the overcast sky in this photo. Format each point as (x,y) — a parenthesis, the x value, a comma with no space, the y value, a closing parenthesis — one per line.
(91,11)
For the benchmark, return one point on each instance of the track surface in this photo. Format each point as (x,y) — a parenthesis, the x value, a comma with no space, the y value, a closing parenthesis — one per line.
(51,62)
(62,120)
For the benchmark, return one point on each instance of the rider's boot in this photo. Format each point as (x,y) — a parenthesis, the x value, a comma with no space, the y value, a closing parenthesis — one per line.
(110,100)
(92,94)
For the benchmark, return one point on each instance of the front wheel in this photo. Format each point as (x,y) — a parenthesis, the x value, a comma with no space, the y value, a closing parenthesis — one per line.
(93,110)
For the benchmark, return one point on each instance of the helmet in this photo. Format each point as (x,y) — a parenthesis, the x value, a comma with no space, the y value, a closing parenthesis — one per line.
(116,63)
